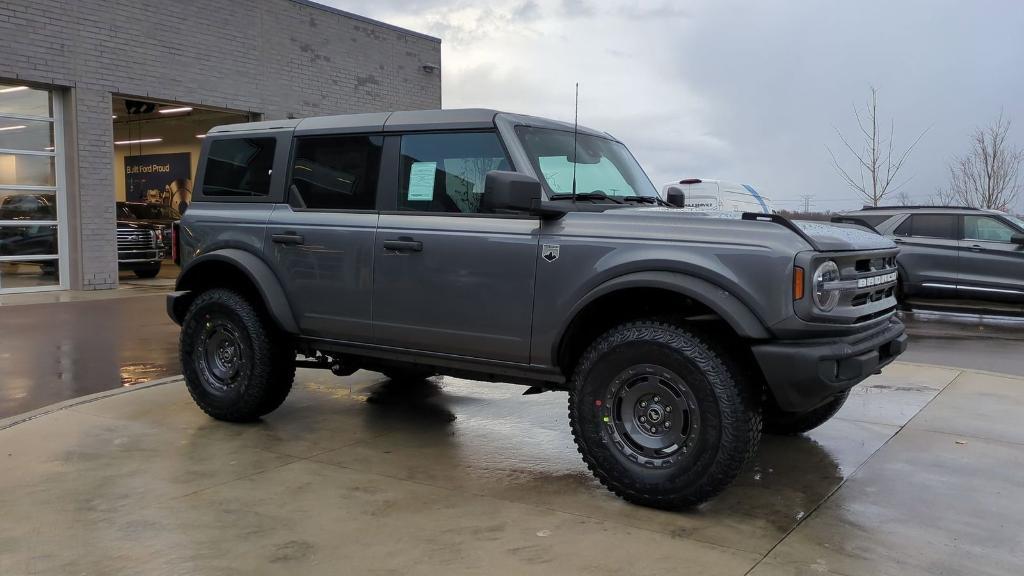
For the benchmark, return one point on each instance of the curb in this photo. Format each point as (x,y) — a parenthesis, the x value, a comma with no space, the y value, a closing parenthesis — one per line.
(11,421)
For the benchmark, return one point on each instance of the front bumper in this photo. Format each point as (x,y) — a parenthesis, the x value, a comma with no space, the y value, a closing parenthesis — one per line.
(803,374)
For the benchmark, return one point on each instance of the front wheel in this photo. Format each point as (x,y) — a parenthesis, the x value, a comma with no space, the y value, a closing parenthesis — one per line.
(237,367)
(660,419)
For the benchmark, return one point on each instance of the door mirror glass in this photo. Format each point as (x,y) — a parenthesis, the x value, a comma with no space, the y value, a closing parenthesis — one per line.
(511,192)
(675,196)
(1017,239)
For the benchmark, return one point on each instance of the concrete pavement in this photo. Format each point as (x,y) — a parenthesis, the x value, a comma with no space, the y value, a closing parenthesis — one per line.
(919,474)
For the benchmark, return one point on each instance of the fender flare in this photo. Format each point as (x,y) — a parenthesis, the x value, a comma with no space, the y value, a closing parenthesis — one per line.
(258,273)
(731,309)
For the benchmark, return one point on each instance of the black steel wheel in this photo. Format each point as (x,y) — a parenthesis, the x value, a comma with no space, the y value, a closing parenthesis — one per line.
(660,419)
(237,367)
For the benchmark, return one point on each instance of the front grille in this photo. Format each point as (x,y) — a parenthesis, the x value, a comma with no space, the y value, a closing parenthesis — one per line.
(128,239)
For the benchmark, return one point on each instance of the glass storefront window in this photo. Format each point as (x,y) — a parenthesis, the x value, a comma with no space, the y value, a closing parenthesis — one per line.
(27,205)
(38,240)
(20,100)
(25,170)
(30,135)
(31,256)
(28,275)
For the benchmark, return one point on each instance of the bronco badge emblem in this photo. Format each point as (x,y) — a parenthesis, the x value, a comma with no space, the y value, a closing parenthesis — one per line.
(550,252)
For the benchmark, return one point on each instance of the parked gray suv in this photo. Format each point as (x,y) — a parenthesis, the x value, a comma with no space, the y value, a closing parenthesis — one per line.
(510,248)
(953,252)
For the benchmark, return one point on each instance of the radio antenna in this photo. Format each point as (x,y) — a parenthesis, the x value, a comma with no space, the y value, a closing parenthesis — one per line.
(575,128)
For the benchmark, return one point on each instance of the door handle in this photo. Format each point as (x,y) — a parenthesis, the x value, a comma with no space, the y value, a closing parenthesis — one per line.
(404,245)
(899,241)
(975,248)
(287,238)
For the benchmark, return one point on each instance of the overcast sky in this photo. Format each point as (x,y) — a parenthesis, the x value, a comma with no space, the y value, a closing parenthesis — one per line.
(743,91)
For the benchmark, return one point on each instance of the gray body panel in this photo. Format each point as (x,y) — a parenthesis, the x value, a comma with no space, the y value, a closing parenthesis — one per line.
(328,276)
(469,291)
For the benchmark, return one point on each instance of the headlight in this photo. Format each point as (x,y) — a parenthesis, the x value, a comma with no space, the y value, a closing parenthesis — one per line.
(824,299)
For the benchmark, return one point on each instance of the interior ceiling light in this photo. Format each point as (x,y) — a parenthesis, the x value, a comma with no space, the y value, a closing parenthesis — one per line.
(173,110)
(14,89)
(13,127)
(141,141)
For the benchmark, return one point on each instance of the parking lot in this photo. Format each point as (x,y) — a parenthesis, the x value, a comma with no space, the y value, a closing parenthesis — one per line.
(917,475)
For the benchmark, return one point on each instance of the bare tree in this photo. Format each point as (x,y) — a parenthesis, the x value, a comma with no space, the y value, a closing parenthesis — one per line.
(878,164)
(988,175)
(944,197)
(903,199)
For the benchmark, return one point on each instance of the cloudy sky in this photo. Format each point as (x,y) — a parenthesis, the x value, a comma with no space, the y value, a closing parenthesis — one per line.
(743,91)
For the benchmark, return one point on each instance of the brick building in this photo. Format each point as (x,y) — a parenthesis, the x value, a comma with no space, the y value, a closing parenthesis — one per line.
(92,89)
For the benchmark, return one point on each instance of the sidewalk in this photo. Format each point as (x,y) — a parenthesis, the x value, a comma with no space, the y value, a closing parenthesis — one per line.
(919,474)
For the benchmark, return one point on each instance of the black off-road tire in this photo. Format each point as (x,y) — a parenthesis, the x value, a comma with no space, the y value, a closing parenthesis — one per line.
(147,272)
(719,414)
(237,366)
(779,422)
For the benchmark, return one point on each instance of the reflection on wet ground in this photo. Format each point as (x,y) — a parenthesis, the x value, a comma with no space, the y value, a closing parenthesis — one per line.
(54,352)
(458,477)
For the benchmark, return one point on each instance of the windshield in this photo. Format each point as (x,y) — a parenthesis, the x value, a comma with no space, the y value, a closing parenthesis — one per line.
(148,212)
(602,165)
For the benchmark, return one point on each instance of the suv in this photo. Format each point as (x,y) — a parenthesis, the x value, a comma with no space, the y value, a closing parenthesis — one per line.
(953,252)
(516,249)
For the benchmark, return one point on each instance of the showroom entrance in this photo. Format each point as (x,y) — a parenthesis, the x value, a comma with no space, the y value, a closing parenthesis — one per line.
(33,214)
(156,152)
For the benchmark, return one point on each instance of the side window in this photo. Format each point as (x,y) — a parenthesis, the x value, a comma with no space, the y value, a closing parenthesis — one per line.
(931,226)
(445,172)
(987,229)
(336,172)
(239,167)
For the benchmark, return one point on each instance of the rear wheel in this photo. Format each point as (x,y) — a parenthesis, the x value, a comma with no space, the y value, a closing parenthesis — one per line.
(778,421)
(660,419)
(237,366)
(148,271)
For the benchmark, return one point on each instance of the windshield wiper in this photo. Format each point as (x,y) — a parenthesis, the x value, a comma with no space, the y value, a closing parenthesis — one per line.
(646,200)
(586,196)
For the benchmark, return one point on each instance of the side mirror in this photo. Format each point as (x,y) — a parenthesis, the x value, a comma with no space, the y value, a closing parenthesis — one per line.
(1017,239)
(514,192)
(675,196)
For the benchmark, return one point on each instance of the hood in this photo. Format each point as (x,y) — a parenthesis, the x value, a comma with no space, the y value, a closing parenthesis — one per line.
(693,226)
(831,238)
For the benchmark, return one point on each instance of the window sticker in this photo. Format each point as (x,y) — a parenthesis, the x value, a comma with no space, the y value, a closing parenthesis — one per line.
(421,181)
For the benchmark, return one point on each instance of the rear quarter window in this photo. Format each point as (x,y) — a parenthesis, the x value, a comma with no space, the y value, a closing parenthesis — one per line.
(239,167)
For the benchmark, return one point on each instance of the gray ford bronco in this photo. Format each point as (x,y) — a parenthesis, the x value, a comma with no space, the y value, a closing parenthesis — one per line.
(510,248)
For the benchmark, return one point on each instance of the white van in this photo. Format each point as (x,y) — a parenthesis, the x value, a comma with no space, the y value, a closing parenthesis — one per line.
(719,196)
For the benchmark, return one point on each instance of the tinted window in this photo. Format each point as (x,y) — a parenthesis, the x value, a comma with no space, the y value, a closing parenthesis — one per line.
(929,226)
(239,167)
(337,172)
(445,172)
(987,229)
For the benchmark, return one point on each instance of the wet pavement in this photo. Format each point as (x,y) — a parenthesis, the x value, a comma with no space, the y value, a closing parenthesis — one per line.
(55,351)
(918,474)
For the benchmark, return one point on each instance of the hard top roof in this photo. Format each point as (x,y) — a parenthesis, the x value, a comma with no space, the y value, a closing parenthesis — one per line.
(456,119)
(893,210)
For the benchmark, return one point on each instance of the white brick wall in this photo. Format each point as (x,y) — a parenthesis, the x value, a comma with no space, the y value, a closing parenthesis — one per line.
(280,58)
